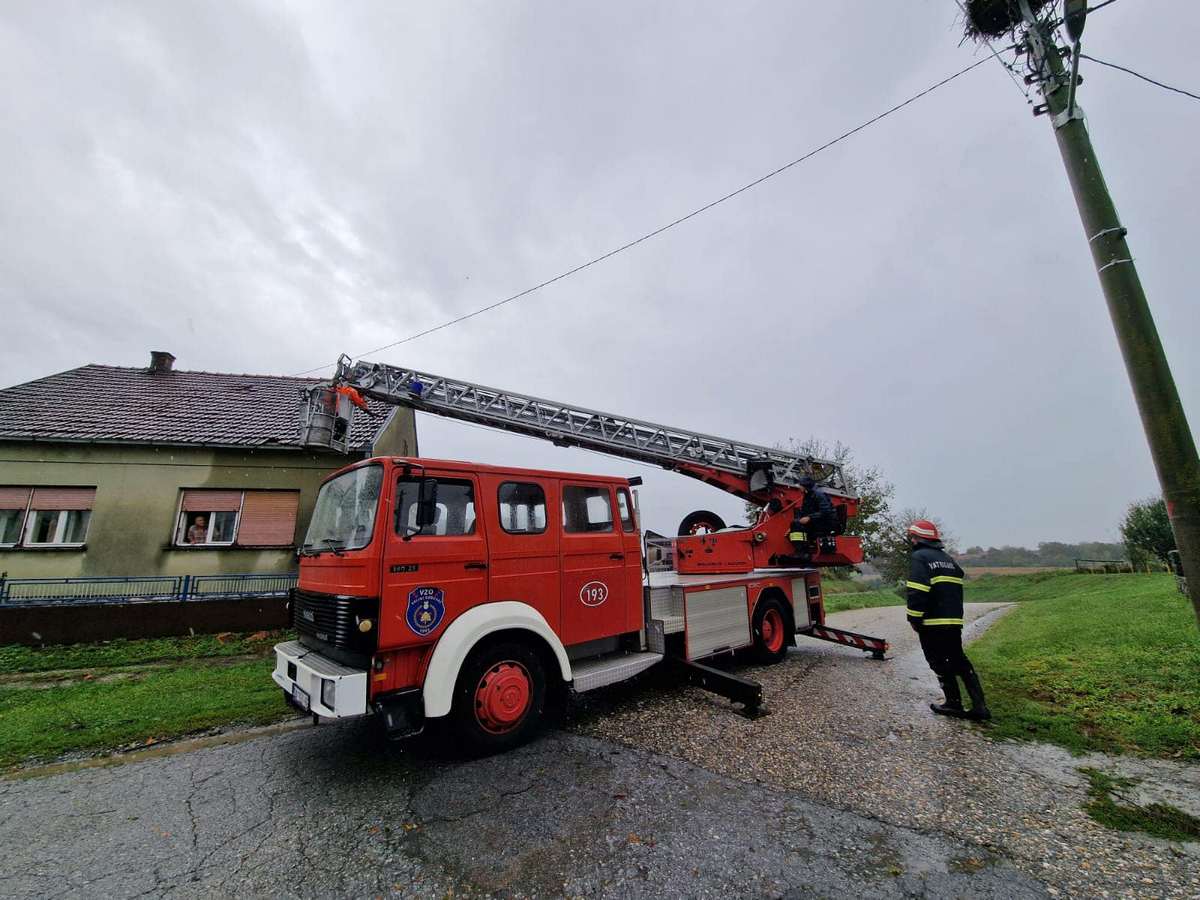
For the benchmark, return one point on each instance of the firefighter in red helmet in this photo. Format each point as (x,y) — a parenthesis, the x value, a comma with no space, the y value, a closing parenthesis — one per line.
(935,611)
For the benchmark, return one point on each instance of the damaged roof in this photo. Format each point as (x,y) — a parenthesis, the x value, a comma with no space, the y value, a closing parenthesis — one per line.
(115,404)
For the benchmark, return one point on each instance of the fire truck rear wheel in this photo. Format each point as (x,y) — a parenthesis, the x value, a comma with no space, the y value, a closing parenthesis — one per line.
(500,697)
(700,522)
(772,630)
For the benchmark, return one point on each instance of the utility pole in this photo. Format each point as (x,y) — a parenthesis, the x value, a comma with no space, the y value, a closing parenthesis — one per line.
(1171,443)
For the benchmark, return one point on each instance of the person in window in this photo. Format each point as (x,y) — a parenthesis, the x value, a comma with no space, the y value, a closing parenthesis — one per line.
(198,533)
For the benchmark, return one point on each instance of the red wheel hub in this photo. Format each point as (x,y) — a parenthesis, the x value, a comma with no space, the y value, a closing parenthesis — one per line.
(772,631)
(502,697)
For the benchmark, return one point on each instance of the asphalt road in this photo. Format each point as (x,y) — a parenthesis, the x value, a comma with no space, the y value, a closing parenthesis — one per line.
(335,811)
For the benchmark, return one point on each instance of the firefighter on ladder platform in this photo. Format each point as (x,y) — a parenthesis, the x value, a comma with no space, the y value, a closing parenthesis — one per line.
(813,519)
(935,611)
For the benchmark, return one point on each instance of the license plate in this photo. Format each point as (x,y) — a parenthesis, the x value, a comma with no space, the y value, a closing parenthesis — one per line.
(300,698)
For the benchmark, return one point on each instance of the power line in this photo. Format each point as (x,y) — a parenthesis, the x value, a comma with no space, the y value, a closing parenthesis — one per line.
(1141,76)
(1092,9)
(679,221)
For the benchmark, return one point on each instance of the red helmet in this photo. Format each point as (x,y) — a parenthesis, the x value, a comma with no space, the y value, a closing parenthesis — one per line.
(924,530)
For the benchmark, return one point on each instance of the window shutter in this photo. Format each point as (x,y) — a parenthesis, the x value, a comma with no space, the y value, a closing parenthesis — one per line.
(14,497)
(268,519)
(212,501)
(63,498)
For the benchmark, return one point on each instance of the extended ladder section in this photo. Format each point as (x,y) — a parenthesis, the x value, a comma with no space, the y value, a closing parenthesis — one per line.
(328,415)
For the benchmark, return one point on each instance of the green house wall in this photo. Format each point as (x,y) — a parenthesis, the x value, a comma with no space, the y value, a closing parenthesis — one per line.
(137,501)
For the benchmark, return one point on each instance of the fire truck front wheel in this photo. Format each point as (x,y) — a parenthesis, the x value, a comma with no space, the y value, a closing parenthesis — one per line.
(500,697)
(772,630)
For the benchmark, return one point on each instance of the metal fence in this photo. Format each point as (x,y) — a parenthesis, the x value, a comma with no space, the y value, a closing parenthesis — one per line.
(141,589)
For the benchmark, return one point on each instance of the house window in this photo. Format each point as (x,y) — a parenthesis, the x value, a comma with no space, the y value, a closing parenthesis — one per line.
(57,517)
(215,518)
(14,503)
(586,509)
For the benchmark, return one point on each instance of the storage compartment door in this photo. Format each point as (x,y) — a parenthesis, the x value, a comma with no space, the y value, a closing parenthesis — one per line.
(716,620)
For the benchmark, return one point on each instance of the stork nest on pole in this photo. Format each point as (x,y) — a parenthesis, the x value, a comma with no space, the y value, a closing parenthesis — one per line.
(996,18)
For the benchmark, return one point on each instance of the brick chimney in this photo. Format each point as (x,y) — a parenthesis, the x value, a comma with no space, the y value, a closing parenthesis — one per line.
(161,361)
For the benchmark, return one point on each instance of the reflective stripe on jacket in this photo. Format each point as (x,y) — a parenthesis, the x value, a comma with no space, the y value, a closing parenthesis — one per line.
(935,587)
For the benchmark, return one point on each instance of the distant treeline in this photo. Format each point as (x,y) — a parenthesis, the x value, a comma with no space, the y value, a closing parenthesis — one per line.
(1050,553)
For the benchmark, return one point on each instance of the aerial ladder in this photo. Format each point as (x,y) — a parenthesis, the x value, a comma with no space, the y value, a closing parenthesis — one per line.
(770,478)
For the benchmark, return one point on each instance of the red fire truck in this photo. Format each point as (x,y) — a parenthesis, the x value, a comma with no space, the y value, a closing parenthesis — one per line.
(432,588)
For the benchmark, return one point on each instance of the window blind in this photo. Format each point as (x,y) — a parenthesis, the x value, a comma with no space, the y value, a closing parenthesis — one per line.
(63,498)
(268,519)
(212,501)
(14,497)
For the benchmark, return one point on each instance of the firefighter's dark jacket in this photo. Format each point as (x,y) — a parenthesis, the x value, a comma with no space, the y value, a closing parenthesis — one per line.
(816,503)
(935,587)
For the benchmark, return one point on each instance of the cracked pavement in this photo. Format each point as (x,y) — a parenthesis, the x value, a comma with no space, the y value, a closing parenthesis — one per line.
(337,811)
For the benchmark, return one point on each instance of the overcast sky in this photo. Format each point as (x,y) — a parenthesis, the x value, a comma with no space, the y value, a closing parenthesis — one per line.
(258,187)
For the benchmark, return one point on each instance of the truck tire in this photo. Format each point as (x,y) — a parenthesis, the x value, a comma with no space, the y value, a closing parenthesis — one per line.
(700,522)
(499,699)
(772,631)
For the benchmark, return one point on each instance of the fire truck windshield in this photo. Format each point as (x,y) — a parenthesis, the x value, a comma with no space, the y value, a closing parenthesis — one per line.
(344,517)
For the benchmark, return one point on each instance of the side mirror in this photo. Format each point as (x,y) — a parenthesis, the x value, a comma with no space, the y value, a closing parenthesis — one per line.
(427,503)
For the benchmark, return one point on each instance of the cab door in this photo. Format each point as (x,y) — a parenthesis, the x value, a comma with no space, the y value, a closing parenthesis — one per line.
(594,590)
(433,574)
(524,562)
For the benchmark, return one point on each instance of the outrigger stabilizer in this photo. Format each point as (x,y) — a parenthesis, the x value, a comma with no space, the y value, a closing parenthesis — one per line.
(877,647)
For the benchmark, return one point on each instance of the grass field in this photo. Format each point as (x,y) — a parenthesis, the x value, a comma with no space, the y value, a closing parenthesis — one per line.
(1093,662)
(861,599)
(131,692)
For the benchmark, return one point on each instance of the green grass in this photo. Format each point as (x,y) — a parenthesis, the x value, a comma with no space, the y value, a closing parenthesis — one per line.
(113,699)
(16,658)
(860,599)
(831,585)
(1093,662)
(1109,807)
(44,723)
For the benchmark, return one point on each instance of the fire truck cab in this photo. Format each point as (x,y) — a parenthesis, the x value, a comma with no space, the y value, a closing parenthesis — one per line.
(412,568)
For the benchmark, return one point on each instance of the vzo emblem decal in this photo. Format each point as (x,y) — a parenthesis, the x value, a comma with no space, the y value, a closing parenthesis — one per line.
(593,593)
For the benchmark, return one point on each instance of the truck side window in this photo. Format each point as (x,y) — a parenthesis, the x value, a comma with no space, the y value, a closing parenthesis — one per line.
(625,508)
(586,509)
(455,508)
(522,507)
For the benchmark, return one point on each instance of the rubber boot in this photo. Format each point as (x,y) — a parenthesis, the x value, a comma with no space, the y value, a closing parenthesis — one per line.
(979,708)
(953,703)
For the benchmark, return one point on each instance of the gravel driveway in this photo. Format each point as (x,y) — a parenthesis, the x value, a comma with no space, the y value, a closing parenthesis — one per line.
(849,788)
(858,734)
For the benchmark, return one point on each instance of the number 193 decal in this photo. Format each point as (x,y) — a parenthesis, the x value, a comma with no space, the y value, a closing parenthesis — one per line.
(593,593)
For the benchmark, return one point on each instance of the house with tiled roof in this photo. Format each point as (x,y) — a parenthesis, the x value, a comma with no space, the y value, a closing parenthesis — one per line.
(119,471)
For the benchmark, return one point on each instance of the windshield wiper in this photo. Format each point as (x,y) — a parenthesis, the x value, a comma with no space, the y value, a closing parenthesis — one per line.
(335,544)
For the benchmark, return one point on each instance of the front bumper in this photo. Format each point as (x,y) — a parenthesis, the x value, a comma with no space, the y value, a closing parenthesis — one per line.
(334,691)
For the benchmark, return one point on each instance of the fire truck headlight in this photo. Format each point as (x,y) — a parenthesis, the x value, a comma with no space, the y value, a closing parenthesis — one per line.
(364,625)
(328,693)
